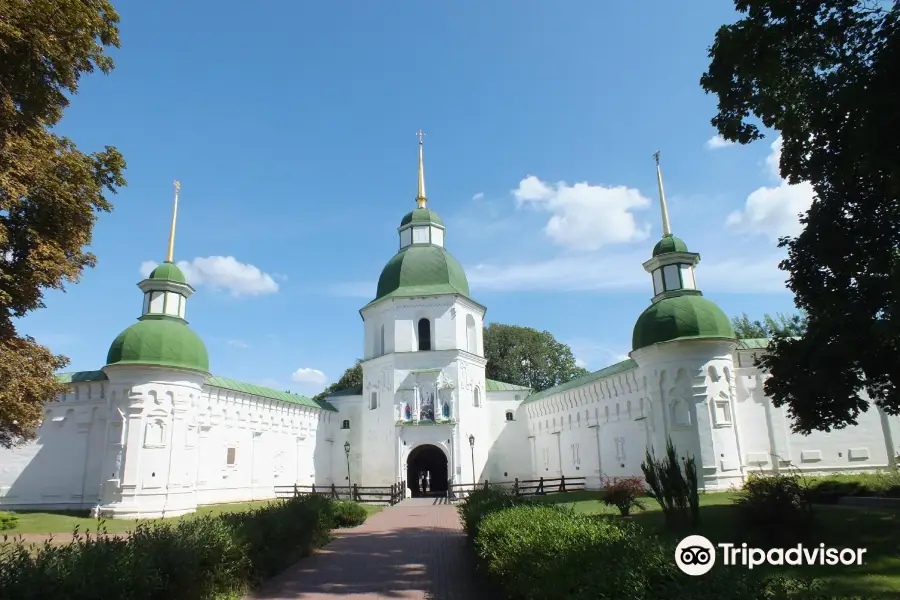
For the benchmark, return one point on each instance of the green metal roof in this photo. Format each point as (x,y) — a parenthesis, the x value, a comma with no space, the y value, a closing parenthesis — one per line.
(421,216)
(264,392)
(753,344)
(159,340)
(625,365)
(689,316)
(668,244)
(422,271)
(81,376)
(501,386)
(167,271)
(352,391)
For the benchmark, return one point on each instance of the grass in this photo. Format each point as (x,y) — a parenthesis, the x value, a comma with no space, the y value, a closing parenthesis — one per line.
(877,530)
(63,523)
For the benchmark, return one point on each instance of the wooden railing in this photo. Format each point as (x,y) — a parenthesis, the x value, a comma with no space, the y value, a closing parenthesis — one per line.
(356,493)
(522,487)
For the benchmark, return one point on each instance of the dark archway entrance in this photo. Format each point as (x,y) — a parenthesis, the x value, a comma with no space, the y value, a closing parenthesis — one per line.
(428,463)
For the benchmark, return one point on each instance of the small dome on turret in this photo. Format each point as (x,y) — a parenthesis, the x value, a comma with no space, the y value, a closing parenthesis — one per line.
(162,341)
(678,318)
(668,244)
(422,271)
(167,271)
(421,215)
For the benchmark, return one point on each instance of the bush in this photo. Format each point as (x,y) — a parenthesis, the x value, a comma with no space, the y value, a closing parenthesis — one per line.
(624,493)
(484,501)
(540,552)
(347,514)
(674,485)
(8,521)
(827,490)
(195,558)
(776,507)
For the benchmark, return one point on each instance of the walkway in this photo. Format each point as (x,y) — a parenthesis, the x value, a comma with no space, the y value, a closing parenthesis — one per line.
(415,549)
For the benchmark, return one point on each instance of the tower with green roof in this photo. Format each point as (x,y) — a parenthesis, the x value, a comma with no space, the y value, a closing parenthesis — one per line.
(156,370)
(683,344)
(423,356)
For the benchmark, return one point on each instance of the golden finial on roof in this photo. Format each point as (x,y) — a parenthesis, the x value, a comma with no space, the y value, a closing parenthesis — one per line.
(421,199)
(662,198)
(171,253)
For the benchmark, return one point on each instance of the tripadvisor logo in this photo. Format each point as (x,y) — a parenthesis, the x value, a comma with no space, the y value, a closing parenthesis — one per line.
(696,555)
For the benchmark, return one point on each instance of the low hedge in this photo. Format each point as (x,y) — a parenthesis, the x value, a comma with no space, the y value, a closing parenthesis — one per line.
(827,490)
(483,501)
(547,552)
(198,558)
(8,520)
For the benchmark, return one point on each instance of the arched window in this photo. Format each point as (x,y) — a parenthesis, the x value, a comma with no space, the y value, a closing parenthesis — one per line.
(424,334)
(471,339)
(345,424)
(373,401)
(381,346)
(477,397)
(509,416)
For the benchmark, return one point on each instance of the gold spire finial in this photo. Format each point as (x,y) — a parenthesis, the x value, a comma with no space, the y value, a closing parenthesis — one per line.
(662,198)
(171,253)
(421,199)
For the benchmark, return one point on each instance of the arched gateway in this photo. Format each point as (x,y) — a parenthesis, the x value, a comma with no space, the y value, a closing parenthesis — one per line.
(426,471)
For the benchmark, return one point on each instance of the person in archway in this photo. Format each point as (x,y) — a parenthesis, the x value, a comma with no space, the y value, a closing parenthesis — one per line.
(424,483)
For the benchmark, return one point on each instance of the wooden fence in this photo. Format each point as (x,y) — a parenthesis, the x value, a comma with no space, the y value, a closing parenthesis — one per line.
(523,487)
(357,493)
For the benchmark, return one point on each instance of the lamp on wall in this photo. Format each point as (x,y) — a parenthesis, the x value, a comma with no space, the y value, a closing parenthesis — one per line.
(347,453)
(472,448)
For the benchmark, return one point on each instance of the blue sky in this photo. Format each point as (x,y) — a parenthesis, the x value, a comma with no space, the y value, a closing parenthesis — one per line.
(292,130)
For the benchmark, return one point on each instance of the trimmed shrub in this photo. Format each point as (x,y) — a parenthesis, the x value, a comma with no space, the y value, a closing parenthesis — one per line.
(624,494)
(540,552)
(347,514)
(827,490)
(674,485)
(8,521)
(776,507)
(484,501)
(197,558)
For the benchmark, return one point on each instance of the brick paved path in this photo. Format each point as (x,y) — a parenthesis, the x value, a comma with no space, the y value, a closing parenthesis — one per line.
(415,549)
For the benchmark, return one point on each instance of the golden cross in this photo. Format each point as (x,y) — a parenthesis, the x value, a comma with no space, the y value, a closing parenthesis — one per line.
(656,157)
(421,134)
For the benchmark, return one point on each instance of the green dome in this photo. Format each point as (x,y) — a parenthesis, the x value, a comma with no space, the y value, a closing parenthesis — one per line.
(422,215)
(422,271)
(167,271)
(162,341)
(689,316)
(668,244)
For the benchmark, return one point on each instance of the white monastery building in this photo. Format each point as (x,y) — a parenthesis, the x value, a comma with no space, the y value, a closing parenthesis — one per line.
(153,433)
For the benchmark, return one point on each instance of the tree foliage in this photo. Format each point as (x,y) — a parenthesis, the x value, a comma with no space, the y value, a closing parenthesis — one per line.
(50,192)
(525,356)
(824,74)
(352,377)
(780,324)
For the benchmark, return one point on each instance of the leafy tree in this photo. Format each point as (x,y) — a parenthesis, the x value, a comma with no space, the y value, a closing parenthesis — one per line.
(352,377)
(525,356)
(780,324)
(824,74)
(50,192)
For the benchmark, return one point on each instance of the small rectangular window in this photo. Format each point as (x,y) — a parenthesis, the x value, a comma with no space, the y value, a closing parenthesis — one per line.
(673,282)
(230,456)
(373,401)
(657,282)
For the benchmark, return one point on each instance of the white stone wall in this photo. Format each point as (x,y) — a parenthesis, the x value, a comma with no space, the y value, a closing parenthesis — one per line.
(154,442)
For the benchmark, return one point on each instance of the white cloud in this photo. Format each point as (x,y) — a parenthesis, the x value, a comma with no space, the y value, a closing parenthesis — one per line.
(773,211)
(593,355)
(601,271)
(311,376)
(584,216)
(237,344)
(478,196)
(717,141)
(223,272)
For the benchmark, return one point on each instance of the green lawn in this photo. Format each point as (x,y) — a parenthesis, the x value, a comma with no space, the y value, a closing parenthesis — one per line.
(877,530)
(61,524)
